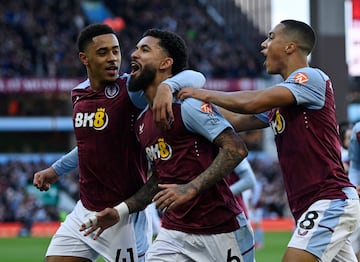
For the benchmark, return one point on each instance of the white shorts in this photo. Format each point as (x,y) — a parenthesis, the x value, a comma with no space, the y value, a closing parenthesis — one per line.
(171,246)
(116,243)
(324,229)
(355,240)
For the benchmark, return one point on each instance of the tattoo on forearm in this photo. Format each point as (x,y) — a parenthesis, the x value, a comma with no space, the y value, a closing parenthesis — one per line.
(144,196)
(232,151)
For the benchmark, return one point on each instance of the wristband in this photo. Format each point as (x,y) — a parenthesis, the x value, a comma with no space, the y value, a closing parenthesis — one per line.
(122,209)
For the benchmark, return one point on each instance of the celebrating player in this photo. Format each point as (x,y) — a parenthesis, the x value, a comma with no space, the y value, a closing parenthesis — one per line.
(110,162)
(202,220)
(301,112)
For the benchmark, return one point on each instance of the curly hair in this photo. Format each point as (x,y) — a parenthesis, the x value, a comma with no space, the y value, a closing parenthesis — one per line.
(174,45)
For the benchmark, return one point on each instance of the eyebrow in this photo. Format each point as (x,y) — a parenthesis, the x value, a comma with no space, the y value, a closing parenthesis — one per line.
(106,48)
(143,45)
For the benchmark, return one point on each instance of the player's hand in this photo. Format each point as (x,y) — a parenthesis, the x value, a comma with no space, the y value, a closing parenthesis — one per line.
(162,107)
(44,178)
(101,221)
(191,92)
(173,195)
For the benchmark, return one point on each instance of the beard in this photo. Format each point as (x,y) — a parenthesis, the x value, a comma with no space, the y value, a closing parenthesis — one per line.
(143,80)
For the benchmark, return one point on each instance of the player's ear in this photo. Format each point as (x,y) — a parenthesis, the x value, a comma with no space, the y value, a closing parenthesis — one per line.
(290,47)
(83,58)
(166,63)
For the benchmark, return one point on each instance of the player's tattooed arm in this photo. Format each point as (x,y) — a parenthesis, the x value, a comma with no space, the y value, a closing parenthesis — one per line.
(144,196)
(231,151)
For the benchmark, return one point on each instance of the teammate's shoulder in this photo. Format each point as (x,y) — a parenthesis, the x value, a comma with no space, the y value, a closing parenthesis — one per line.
(195,106)
(308,74)
(123,76)
(83,84)
(188,103)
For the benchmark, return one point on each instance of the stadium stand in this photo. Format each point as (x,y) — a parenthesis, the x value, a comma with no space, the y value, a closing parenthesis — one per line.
(39,36)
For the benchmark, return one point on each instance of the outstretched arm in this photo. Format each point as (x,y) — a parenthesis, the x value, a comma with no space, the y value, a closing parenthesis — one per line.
(242,122)
(245,102)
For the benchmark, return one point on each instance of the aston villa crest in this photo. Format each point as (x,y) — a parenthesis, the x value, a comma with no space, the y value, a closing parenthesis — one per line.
(112,90)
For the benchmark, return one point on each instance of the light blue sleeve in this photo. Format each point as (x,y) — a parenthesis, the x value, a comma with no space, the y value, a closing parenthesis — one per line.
(263,117)
(354,155)
(203,118)
(308,85)
(247,177)
(137,98)
(186,78)
(256,193)
(66,163)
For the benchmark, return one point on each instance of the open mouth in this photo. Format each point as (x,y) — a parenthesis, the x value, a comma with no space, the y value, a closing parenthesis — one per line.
(112,69)
(135,67)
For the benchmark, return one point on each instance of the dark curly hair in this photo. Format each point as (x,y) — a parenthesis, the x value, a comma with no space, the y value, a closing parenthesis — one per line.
(88,33)
(174,45)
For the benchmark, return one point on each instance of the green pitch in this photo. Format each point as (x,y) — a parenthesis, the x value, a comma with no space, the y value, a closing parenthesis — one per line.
(33,249)
(274,247)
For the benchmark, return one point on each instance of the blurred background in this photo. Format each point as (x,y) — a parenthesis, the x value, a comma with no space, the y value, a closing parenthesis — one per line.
(39,66)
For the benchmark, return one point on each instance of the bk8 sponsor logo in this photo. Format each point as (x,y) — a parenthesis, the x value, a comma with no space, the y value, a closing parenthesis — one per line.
(97,120)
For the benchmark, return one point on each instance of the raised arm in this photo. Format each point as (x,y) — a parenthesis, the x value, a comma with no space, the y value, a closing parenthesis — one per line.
(162,104)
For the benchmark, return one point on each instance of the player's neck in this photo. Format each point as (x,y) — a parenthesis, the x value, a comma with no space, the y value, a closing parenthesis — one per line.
(150,92)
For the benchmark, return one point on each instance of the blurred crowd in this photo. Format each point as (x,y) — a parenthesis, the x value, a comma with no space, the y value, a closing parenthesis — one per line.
(38,37)
(21,202)
(39,40)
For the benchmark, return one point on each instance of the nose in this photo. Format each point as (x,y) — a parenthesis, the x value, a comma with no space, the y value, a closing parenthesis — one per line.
(114,57)
(264,43)
(134,53)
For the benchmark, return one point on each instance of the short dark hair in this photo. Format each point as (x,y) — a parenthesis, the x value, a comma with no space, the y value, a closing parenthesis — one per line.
(88,33)
(305,34)
(174,45)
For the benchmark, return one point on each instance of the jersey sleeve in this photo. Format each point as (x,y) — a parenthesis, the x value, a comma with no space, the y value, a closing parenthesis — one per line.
(203,118)
(247,177)
(308,85)
(263,117)
(186,78)
(66,163)
(354,144)
(137,98)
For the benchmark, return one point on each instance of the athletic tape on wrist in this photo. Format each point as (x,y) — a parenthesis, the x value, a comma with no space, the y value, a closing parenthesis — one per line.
(122,209)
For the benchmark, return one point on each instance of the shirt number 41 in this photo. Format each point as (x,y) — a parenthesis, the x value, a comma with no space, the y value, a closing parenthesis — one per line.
(130,255)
